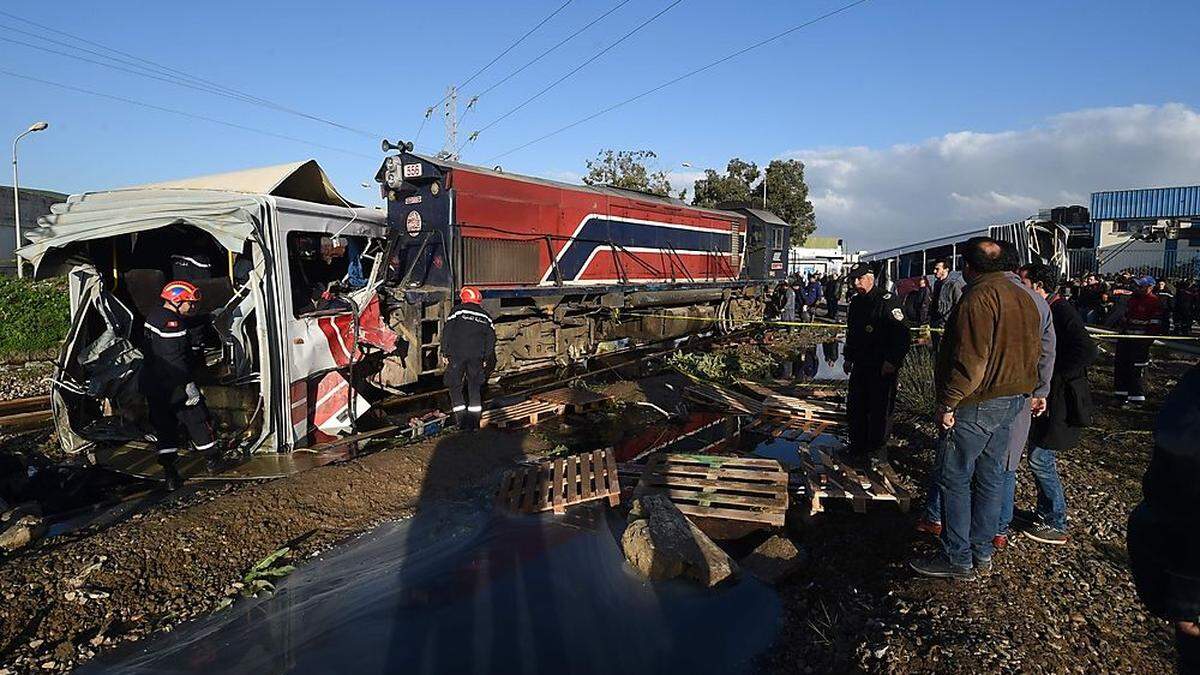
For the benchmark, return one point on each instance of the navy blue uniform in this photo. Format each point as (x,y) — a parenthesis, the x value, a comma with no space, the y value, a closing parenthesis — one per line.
(173,351)
(469,345)
(876,332)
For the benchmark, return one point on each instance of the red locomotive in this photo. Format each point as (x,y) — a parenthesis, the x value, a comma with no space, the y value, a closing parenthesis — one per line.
(568,270)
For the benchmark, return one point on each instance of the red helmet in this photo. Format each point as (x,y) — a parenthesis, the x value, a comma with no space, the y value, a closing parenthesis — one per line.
(470,294)
(180,291)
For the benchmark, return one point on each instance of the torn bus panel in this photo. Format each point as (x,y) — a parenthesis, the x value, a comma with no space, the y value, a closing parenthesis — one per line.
(285,295)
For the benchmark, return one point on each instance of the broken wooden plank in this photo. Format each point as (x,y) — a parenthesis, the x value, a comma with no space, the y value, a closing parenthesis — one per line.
(719,487)
(561,483)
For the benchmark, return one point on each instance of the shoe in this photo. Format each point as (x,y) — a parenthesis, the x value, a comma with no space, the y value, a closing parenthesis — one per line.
(171,475)
(1047,535)
(983,565)
(1023,518)
(1000,540)
(940,567)
(929,527)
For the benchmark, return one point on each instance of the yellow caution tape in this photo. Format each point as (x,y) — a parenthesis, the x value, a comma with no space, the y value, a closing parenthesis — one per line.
(923,329)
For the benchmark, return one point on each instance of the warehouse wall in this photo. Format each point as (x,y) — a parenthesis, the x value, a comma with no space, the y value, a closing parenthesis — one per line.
(34,204)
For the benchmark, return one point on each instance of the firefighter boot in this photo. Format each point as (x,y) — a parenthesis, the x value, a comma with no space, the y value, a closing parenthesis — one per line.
(170,473)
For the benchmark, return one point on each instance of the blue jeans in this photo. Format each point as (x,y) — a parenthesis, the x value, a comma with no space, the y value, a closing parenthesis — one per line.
(1051,499)
(971,476)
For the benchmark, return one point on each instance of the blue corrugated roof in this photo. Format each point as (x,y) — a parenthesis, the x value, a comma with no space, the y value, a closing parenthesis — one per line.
(1170,202)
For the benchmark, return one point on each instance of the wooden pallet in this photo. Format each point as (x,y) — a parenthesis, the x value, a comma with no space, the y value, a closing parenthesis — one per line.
(828,478)
(792,408)
(711,394)
(524,414)
(560,483)
(574,400)
(709,486)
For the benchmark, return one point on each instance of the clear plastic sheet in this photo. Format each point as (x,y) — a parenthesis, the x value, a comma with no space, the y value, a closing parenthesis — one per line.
(463,591)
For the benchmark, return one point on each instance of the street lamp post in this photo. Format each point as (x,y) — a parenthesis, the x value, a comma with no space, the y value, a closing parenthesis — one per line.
(36,126)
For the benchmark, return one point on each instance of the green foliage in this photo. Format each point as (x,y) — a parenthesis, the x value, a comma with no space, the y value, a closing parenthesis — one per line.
(627,169)
(34,315)
(256,580)
(732,186)
(723,365)
(787,193)
(915,390)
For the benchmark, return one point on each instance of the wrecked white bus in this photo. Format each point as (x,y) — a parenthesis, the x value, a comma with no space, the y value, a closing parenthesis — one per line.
(282,349)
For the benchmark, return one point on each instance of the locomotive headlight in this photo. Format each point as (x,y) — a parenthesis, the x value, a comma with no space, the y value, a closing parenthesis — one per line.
(392,175)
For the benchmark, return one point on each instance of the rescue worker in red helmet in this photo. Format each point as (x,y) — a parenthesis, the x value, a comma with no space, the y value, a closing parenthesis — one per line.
(469,346)
(172,353)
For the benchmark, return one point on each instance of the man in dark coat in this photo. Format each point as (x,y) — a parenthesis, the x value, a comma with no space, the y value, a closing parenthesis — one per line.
(916,303)
(1068,407)
(1164,551)
(877,341)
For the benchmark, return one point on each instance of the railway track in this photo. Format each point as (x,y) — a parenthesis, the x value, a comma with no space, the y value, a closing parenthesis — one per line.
(22,414)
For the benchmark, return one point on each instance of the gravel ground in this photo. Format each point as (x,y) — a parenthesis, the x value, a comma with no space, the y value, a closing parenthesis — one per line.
(22,381)
(1068,608)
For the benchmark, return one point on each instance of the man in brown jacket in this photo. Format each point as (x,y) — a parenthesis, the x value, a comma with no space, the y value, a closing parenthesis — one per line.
(986,366)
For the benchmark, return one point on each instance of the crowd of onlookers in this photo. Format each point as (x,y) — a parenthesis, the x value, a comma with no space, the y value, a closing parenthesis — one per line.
(1100,299)
(1013,347)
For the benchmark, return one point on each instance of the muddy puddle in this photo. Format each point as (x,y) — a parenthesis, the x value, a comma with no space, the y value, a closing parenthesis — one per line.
(467,591)
(814,363)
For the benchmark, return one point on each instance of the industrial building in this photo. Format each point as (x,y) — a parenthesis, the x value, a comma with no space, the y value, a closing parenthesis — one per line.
(34,205)
(821,254)
(1149,231)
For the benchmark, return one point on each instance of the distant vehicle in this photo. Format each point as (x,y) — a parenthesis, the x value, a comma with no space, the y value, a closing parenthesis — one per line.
(1037,238)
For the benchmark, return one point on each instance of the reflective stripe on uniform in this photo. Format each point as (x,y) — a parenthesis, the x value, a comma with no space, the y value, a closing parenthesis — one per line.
(1137,399)
(475,408)
(470,314)
(459,408)
(168,451)
(206,446)
(166,334)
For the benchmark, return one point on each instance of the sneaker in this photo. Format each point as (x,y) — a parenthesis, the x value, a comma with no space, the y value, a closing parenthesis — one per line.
(983,565)
(940,567)
(1046,534)
(1000,540)
(929,527)
(1023,518)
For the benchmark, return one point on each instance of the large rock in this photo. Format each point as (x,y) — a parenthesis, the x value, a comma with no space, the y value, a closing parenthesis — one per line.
(774,560)
(21,525)
(661,543)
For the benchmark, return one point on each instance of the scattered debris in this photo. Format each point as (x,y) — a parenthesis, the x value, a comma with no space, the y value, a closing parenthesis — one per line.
(574,399)
(661,544)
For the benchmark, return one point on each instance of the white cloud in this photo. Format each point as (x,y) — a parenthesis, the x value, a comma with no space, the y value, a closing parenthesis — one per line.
(876,197)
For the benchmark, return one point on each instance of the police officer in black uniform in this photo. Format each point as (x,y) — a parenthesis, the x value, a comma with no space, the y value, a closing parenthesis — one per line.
(877,340)
(469,345)
(173,351)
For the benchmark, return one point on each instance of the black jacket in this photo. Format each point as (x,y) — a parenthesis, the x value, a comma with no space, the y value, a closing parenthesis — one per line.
(1164,551)
(1069,407)
(469,334)
(916,305)
(876,330)
(172,347)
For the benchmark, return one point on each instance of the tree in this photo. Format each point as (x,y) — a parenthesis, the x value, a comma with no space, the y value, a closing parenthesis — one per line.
(742,182)
(627,169)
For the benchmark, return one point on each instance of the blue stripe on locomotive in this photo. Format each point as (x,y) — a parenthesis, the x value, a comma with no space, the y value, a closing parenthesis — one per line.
(598,231)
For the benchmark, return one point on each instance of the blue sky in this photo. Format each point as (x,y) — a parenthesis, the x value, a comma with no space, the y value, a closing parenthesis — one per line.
(855,92)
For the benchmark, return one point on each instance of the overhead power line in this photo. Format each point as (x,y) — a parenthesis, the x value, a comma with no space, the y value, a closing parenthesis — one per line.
(183,113)
(507,49)
(154,70)
(574,70)
(546,53)
(691,73)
